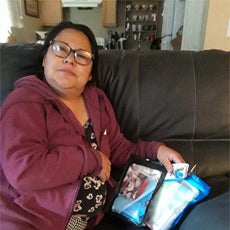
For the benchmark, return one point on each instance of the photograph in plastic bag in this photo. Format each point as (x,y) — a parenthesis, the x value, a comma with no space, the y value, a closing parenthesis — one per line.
(136,190)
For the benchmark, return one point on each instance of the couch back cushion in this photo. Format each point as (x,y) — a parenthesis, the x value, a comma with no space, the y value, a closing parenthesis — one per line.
(17,59)
(179,97)
(168,94)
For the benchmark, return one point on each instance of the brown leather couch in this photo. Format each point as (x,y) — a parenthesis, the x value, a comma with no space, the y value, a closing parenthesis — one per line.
(179,97)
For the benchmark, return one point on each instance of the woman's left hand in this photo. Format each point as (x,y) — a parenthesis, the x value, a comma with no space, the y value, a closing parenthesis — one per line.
(167,155)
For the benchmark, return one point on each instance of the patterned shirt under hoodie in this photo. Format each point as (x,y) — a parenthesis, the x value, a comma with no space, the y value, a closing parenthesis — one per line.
(92,193)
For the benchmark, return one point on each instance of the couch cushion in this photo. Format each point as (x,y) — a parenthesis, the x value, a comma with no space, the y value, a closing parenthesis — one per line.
(212,214)
(17,59)
(179,97)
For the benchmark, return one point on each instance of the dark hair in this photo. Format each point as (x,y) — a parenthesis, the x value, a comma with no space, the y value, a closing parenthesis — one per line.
(55,31)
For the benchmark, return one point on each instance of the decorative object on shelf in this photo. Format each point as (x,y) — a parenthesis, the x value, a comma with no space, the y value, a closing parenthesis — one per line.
(31,8)
(128,7)
(145,7)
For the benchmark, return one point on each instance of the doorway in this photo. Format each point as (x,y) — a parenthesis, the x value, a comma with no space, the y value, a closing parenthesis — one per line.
(183,25)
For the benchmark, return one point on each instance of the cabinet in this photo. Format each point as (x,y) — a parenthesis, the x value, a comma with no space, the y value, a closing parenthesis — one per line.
(50,12)
(141,20)
(109,13)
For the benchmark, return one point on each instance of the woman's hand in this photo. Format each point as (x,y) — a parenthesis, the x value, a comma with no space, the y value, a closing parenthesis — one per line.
(104,175)
(167,155)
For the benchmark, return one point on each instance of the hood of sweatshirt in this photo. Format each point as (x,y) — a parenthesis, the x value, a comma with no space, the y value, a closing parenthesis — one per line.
(31,89)
(35,84)
(28,89)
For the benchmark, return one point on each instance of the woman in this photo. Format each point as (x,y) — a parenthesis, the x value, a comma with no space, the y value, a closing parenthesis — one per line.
(60,138)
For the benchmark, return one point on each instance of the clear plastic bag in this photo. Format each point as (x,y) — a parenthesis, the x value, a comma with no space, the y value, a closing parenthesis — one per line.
(169,203)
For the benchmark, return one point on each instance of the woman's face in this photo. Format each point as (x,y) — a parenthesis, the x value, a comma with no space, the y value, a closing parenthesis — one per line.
(64,75)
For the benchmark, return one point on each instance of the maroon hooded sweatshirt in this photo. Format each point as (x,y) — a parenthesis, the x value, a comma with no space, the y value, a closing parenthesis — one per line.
(44,153)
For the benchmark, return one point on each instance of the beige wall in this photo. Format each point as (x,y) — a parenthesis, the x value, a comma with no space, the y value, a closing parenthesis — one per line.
(93,19)
(216,29)
(90,17)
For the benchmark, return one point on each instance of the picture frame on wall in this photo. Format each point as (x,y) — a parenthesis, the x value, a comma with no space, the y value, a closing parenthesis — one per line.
(31,8)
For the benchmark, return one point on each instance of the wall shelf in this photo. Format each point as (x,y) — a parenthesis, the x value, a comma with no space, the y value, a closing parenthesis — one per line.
(142,20)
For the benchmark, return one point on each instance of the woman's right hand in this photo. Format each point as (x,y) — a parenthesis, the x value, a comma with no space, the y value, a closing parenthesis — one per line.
(104,175)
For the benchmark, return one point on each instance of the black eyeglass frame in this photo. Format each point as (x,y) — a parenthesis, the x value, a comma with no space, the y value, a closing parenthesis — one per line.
(73,51)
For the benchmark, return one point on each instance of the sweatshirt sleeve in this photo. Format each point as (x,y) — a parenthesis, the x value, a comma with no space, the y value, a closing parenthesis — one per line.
(32,159)
(121,148)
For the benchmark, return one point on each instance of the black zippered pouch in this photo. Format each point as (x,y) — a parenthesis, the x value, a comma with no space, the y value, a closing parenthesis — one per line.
(140,180)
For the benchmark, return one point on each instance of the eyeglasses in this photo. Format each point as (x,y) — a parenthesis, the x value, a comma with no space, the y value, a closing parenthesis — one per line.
(63,50)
